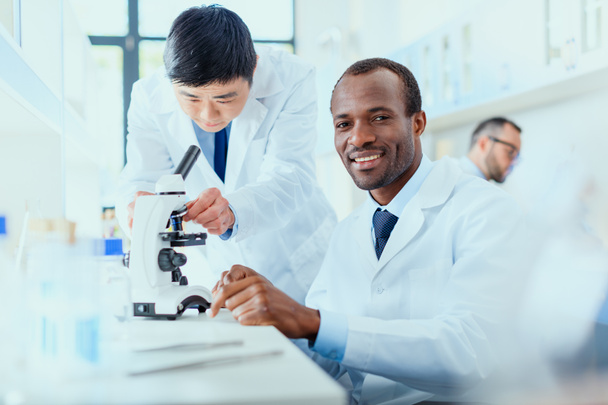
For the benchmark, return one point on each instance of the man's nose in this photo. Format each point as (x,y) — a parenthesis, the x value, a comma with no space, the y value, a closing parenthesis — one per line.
(209,112)
(361,135)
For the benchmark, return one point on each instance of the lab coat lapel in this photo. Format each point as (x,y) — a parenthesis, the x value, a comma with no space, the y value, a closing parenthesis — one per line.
(244,127)
(362,231)
(266,82)
(435,191)
(405,230)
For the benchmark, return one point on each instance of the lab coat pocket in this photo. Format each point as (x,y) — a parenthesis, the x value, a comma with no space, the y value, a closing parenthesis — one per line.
(427,287)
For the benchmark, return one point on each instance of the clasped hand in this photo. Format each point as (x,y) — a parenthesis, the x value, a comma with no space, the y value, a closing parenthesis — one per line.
(253,300)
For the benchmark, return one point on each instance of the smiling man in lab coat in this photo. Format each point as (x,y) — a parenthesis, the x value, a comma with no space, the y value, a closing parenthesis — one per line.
(411,295)
(253,113)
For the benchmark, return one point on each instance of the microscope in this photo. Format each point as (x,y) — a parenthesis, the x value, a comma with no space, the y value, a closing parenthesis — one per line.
(158,287)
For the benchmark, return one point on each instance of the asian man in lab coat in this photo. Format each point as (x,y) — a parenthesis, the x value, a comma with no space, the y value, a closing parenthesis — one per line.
(253,113)
(411,295)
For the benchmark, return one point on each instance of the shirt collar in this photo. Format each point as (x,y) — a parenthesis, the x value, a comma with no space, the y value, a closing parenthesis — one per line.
(471,168)
(398,203)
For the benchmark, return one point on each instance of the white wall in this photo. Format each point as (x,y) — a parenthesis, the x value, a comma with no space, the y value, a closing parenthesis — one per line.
(49,121)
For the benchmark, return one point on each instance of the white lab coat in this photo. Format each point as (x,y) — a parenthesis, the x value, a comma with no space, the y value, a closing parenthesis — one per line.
(422,320)
(284,220)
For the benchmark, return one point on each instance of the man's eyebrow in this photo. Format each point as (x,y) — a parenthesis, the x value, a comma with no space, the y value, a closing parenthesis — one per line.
(376,109)
(185,93)
(371,110)
(221,96)
(227,95)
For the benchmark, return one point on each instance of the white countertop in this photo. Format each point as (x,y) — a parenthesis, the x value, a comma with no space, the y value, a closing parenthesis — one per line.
(252,365)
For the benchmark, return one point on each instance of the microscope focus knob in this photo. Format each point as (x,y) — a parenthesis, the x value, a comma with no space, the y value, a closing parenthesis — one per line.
(170,260)
(179,259)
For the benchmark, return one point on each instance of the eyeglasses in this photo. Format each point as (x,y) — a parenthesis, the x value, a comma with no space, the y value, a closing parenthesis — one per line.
(513,151)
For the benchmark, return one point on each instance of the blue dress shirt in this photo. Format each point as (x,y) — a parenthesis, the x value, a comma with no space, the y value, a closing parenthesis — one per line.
(206,141)
(333,330)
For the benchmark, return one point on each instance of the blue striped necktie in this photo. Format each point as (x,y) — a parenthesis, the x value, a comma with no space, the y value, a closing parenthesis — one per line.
(384,222)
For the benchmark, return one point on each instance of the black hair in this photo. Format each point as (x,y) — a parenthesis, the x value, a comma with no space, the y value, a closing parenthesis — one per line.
(209,45)
(491,127)
(411,91)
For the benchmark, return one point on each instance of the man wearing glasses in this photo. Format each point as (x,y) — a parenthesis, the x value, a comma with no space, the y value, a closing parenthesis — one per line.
(495,146)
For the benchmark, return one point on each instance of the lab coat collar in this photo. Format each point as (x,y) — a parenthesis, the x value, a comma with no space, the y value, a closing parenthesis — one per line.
(266,82)
(439,184)
(409,190)
(162,98)
(434,191)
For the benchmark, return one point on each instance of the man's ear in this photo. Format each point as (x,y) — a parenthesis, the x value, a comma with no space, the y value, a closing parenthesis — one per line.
(257,58)
(483,142)
(419,122)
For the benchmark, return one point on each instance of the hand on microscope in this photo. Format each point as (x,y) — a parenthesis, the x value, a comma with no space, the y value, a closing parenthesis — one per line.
(254,300)
(131,207)
(211,210)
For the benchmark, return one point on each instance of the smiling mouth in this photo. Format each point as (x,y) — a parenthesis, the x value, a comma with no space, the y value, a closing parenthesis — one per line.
(367,158)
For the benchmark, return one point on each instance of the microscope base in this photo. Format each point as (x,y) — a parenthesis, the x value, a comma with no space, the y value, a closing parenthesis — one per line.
(148,309)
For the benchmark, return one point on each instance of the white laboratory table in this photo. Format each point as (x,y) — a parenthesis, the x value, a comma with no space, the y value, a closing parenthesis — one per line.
(254,365)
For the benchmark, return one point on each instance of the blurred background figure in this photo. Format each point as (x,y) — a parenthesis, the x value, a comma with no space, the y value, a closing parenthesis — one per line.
(495,146)
(560,328)
(111,228)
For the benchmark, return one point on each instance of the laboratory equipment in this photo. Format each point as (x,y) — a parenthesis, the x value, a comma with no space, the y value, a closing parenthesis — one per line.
(159,289)
(116,290)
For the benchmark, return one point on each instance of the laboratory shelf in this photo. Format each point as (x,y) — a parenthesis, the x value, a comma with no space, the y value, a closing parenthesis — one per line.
(22,90)
(478,66)
(517,99)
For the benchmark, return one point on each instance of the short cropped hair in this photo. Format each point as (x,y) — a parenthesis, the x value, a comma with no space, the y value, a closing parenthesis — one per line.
(490,127)
(209,45)
(411,91)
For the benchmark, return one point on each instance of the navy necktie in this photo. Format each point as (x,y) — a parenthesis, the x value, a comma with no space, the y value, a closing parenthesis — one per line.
(221,150)
(384,222)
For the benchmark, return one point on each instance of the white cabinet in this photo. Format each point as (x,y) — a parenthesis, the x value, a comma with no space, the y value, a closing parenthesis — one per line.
(506,56)
(48,140)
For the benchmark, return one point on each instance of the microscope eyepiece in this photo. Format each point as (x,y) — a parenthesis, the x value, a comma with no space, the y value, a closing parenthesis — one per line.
(188,161)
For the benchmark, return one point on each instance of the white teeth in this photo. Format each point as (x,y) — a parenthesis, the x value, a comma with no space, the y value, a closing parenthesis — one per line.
(367,159)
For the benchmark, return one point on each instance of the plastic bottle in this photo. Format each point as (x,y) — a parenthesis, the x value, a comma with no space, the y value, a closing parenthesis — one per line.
(6,364)
(10,299)
(116,298)
(64,309)
(11,318)
(115,302)
(4,260)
